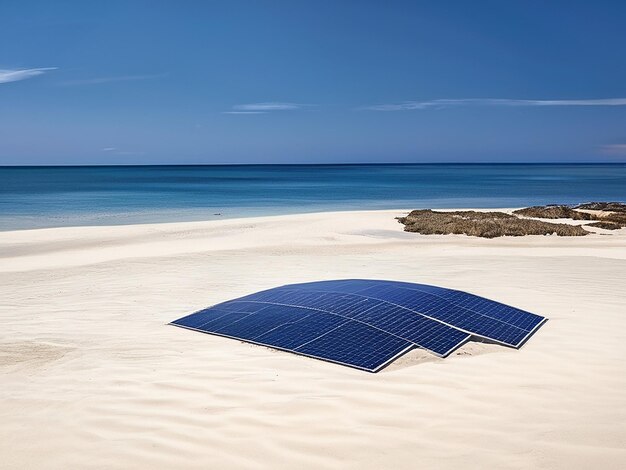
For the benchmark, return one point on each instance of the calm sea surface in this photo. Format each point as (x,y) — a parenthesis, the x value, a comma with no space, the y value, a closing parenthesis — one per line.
(34,197)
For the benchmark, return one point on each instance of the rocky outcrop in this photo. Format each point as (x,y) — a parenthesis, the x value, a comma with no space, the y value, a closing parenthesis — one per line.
(483,224)
(604,225)
(603,206)
(554,212)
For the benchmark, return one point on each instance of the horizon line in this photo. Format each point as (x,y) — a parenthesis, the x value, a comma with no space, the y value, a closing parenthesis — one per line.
(122,165)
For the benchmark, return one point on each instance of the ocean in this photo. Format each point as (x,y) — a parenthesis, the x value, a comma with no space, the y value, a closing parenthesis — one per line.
(39,197)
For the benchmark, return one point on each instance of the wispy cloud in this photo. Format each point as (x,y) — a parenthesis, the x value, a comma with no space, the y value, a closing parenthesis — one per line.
(7,76)
(116,151)
(618,150)
(263,108)
(101,80)
(447,103)
(244,112)
(267,106)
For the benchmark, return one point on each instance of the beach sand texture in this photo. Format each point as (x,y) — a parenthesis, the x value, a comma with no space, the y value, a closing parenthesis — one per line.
(92,377)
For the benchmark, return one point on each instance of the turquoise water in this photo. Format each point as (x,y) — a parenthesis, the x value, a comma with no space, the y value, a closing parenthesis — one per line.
(35,197)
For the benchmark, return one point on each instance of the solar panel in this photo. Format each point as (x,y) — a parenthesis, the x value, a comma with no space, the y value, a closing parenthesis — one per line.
(477,315)
(363,323)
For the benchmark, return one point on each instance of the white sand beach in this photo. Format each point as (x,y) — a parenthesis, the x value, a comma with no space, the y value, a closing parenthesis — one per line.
(92,377)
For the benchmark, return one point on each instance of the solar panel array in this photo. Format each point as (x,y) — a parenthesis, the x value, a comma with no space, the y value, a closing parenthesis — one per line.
(363,323)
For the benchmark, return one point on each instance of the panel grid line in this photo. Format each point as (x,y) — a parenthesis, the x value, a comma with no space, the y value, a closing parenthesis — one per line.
(347,318)
(426,316)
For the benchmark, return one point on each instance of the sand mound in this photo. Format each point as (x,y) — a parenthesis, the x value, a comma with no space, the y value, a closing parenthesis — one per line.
(482,224)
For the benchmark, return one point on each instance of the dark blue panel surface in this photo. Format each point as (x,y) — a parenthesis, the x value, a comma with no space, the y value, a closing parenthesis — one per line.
(476,315)
(356,344)
(292,335)
(393,319)
(266,319)
(363,323)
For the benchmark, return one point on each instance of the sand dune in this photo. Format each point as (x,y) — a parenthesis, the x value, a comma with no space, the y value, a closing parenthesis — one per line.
(92,377)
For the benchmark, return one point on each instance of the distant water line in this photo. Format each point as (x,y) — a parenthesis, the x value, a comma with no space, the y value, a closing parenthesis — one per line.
(39,197)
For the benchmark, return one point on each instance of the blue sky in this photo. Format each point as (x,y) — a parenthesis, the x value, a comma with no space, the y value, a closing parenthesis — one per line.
(324,81)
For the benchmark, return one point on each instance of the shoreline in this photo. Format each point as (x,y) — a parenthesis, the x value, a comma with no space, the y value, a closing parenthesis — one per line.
(36,197)
(41,248)
(221,218)
(86,348)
